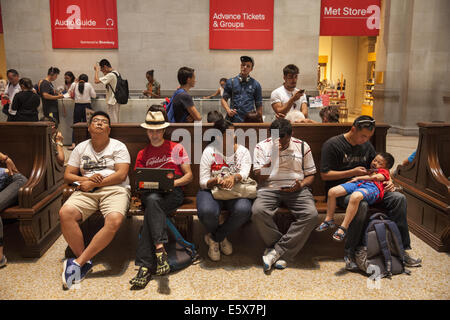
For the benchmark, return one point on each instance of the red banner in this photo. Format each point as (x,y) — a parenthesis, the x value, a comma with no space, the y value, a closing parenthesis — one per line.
(237,24)
(84,24)
(350,18)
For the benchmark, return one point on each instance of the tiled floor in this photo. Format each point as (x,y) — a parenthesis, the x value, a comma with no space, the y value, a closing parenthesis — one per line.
(316,274)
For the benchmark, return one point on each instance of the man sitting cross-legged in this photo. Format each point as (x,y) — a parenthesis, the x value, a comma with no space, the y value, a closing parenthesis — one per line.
(103,185)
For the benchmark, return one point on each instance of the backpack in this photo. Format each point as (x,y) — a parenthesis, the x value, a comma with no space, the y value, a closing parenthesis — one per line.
(170,109)
(382,251)
(121,93)
(181,253)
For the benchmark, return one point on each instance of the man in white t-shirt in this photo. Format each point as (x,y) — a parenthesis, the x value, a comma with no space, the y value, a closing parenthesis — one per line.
(284,168)
(99,167)
(287,101)
(110,81)
(12,88)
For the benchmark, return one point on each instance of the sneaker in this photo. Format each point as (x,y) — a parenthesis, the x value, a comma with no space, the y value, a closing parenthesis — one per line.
(270,258)
(162,264)
(3,262)
(350,264)
(73,273)
(411,262)
(213,252)
(141,279)
(226,247)
(280,264)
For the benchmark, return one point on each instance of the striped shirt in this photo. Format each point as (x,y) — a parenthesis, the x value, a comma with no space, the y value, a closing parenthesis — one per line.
(285,168)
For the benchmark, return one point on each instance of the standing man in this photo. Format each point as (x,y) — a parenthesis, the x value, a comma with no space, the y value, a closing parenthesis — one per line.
(110,81)
(245,93)
(284,168)
(349,155)
(99,166)
(287,101)
(12,88)
(183,106)
(49,95)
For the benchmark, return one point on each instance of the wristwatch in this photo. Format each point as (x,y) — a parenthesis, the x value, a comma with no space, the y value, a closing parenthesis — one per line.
(59,143)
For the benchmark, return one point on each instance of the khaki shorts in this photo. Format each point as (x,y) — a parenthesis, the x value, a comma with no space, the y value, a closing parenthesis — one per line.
(106,199)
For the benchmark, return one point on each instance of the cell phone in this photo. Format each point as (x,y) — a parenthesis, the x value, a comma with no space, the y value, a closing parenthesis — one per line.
(302,91)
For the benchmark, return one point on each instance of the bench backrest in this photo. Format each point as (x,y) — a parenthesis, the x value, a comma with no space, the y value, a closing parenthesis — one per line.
(315,135)
(29,145)
(430,170)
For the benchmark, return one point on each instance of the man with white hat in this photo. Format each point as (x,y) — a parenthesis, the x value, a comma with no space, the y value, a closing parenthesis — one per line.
(151,256)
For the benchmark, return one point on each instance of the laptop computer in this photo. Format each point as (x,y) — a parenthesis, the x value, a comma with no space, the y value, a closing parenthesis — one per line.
(151,179)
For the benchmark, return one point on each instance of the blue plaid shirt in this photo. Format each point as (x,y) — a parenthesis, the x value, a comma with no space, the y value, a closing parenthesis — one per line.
(245,97)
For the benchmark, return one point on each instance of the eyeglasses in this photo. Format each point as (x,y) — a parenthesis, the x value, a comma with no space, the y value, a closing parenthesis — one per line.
(365,121)
(97,120)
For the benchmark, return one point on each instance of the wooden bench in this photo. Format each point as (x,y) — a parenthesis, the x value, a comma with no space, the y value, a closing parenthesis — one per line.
(29,145)
(136,139)
(425,182)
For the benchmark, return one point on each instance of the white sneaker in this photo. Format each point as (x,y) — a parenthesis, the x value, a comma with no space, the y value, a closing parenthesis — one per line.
(3,261)
(226,247)
(280,263)
(213,252)
(270,258)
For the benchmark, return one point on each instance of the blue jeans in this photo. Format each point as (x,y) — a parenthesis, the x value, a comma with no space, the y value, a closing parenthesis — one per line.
(208,212)
(396,207)
(8,195)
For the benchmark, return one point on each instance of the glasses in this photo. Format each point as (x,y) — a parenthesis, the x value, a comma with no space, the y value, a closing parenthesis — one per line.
(96,120)
(365,121)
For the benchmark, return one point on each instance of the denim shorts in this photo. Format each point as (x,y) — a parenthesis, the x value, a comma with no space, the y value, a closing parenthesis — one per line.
(368,189)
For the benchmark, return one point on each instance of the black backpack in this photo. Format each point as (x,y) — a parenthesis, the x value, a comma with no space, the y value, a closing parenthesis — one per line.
(121,93)
(181,253)
(382,253)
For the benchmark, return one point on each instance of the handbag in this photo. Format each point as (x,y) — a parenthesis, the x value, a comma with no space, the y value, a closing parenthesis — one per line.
(245,188)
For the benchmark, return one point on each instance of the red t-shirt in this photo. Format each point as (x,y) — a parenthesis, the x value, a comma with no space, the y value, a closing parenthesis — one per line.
(170,155)
(379,184)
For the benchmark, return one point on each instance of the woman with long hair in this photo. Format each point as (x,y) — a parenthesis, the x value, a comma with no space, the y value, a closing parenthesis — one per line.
(83,92)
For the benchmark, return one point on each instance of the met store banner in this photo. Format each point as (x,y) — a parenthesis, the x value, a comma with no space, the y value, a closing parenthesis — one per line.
(350,18)
(241,24)
(85,24)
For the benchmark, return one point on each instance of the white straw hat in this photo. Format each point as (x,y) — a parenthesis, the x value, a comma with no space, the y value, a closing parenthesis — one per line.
(155,120)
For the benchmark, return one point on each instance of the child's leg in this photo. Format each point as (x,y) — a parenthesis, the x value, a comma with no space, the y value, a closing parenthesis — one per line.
(352,208)
(333,193)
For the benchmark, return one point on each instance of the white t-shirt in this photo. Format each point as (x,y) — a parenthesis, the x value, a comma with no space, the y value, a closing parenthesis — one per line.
(213,164)
(282,95)
(110,78)
(11,91)
(91,162)
(286,168)
(88,93)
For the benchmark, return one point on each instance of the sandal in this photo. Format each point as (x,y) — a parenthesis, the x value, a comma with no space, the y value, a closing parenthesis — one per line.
(141,279)
(325,225)
(340,236)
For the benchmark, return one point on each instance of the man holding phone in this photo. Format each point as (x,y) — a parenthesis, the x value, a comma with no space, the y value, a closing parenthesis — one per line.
(288,101)
(244,93)
(284,168)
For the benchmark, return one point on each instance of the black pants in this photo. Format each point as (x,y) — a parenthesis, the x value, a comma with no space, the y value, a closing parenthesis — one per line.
(79,114)
(154,229)
(394,203)
(53,110)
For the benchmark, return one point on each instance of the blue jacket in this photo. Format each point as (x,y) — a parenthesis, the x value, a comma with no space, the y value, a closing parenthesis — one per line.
(245,96)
